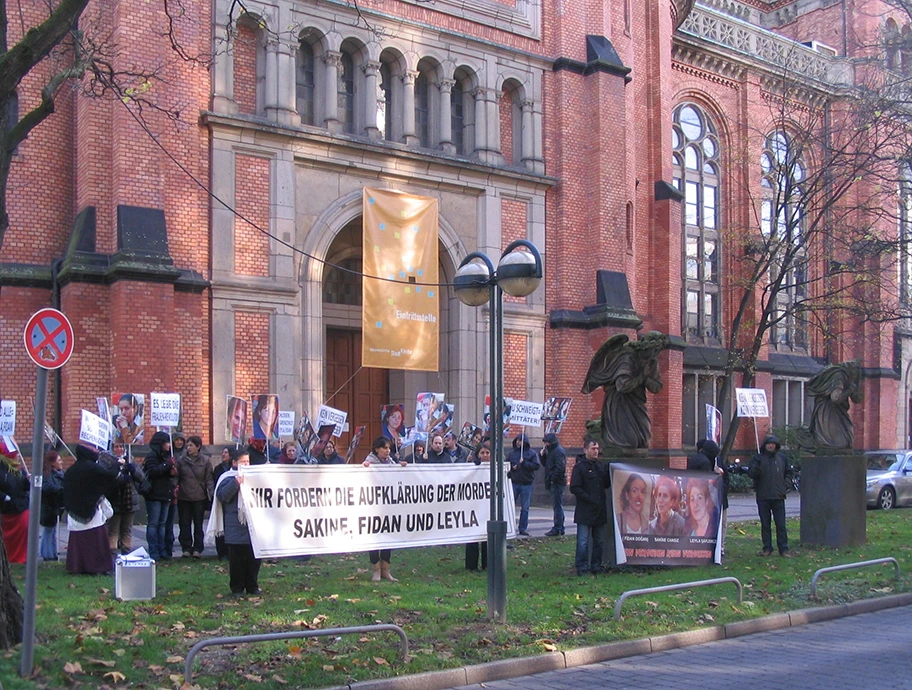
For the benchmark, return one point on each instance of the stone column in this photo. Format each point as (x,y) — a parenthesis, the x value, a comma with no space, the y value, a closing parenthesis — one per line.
(445,115)
(333,62)
(286,97)
(223,72)
(526,154)
(371,94)
(538,158)
(271,81)
(408,108)
(487,129)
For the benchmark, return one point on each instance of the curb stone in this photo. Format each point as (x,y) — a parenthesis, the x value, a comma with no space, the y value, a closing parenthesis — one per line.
(554,661)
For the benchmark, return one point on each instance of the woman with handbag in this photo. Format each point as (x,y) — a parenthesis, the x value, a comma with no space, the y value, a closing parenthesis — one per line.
(84,487)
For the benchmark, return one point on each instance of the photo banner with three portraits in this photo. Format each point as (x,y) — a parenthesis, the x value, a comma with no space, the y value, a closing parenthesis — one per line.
(400,295)
(666,517)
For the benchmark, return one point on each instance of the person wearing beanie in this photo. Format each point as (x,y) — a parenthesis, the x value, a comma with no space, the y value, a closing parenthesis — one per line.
(84,487)
(14,500)
(161,470)
(554,460)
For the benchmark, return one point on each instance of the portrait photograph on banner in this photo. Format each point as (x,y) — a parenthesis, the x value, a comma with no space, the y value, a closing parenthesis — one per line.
(321,438)
(350,456)
(236,420)
(426,410)
(470,436)
(443,422)
(667,518)
(266,416)
(392,421)
(400,297)
(127,418)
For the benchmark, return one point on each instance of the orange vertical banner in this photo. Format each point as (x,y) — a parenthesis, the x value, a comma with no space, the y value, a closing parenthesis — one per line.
(400,319)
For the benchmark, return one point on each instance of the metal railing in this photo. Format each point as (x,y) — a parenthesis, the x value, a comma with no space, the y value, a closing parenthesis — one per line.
(851,566)
(670,588)
(293,635)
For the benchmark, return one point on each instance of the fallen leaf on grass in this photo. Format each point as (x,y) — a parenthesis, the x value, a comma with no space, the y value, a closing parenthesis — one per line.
(119,652)
(295,651)
(380,661)
(115,676)
(174,659)
(253,677)
(278,679)
(101,662)
(72,667)
(177,626)
(549,647)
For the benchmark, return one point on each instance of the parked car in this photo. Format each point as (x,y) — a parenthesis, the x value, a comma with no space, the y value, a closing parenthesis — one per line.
(889,478)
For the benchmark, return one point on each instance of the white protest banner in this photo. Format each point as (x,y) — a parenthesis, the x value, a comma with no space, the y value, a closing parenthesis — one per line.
(94,430)
(526,413)
(751,402)
(286,422)
(7,418)
(330,415)
(312,509)
(165,409)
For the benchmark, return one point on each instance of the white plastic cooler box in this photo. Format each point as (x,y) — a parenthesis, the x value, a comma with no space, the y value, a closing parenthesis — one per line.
(134,578)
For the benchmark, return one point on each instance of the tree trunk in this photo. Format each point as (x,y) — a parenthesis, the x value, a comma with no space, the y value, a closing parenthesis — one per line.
(11,606)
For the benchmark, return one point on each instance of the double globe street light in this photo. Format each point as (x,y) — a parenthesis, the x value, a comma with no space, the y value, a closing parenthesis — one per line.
(518,274)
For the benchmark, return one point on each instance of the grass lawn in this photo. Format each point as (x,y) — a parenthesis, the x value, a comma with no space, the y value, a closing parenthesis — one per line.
(86,638)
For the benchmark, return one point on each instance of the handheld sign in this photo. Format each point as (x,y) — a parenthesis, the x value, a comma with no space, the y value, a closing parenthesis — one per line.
(48,338)
(286,423)
(94,430)
(330,415)
(752,402)
(8,418)
(526,413)
(165,409)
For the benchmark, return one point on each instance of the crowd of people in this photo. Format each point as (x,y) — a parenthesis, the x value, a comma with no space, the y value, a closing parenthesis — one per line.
(100,493)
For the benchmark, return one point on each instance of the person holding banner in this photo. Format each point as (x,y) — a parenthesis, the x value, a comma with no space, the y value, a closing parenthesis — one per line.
(14,501)
(524,463)
(84,487)
(476,548)
(228,517)
(588,482)
(124,500)
(229,460)
(160,469)
(381,454)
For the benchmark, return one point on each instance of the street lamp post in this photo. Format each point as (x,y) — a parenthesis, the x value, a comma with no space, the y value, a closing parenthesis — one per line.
(519,274)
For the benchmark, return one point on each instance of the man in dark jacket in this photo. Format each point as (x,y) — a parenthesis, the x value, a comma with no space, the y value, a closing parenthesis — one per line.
(436,454)
(524,463)
(161,470)
(588,483)
(705,460)
(555,461)
(771,473)
(453,450)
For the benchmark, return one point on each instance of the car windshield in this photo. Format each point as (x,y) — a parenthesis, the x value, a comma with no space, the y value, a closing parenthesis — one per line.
(885,461)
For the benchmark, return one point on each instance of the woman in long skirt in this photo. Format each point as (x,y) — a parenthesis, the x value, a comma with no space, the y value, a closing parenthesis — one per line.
(84,487)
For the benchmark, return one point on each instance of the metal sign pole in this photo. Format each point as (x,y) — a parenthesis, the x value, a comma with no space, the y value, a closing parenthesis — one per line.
(31,566)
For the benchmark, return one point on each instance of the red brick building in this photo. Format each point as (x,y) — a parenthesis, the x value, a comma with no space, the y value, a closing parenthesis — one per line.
(218,255)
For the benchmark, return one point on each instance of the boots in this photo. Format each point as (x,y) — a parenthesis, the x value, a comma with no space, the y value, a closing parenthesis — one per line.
(375,577)
(385,572)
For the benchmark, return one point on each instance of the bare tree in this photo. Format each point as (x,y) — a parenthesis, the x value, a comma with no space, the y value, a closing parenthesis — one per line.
(820,260)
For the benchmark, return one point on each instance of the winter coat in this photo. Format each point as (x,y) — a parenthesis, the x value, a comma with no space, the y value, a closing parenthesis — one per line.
(194,478)
(704,460)
(524,462)
(334,459)
(125,498)
(771,473)
(588,482)
(51,498)
(458,455)
(14,491)
(228,493)
(555,461)
(435,458)
(160,468)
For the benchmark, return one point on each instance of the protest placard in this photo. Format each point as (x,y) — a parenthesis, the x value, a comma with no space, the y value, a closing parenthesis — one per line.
(752,402)
(95,430)
(666,517)
(526,413)
(7,418)
(164,409)
(286,423)
(330,415)
(313,509)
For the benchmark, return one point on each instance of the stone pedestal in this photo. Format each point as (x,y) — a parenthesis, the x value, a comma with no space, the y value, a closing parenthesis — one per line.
(833,511)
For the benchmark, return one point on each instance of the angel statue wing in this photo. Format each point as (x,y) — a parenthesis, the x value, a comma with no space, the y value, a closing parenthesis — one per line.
(603,362)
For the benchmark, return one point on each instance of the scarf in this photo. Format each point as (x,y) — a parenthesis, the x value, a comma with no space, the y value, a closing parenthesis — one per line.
(14,465)
(216,525)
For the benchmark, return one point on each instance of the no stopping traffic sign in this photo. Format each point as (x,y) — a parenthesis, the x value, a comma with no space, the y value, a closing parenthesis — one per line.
(48,338)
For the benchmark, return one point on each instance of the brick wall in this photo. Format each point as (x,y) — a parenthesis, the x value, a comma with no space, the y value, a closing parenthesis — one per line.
(251,247)
(251,354)
(245,70)
(516,353)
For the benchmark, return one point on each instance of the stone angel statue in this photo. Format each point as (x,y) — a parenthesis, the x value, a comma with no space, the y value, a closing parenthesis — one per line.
(626,370)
